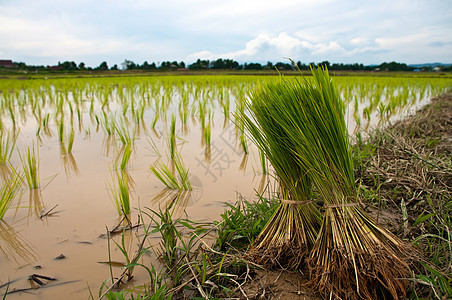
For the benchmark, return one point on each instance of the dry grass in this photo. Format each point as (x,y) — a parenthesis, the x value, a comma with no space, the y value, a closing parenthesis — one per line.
(407,174)
(410,163)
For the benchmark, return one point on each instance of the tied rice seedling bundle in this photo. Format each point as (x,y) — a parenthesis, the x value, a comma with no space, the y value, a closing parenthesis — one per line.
(303,133)
(353,256)
(291,232)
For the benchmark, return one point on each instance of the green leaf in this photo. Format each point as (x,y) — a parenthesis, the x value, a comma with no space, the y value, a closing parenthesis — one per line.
(423,218)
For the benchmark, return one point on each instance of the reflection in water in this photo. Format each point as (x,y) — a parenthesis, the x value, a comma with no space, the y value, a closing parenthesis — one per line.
(125,239)
(70,165)
(14,247)
(243,163)
(5,171)
(130,179)
(207,154)
(225,123)
(108,143)
(185,129)
(35,203)
(165,198)
(262,184)
(178,201)
(156,133)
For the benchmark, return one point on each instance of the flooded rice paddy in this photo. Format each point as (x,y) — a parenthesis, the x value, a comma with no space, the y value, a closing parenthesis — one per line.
(80,130)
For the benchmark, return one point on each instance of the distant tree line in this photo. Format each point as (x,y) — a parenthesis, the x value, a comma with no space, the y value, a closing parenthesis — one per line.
(220,64)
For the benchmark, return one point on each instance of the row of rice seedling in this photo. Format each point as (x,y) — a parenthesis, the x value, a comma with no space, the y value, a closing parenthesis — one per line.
(119,105)
(134,95)
(12,179)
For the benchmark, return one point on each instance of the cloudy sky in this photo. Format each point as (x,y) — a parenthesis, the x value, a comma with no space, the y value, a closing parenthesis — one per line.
(369,32)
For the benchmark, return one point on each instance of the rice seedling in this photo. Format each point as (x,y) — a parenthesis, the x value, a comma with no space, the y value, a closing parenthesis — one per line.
(179,181)
(9,191)
(30,165)
(182,171)
(165,175)
(119,187)
(202,106)
(243,142)
(172,137)
(125,134)
(7,144)
(300,125)
(60,130)
(207,132)
(70,143)
(157,113)
(125,157)
(263,162)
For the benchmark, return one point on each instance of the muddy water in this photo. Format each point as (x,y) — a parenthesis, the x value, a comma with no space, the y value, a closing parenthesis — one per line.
(77,185)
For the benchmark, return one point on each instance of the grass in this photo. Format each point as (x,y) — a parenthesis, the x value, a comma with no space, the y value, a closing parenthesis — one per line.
(411,175)
(242,222)
(156,288)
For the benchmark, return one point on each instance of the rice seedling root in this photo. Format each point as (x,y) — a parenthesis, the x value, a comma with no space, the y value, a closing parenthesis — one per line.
(287,238)
(355,258)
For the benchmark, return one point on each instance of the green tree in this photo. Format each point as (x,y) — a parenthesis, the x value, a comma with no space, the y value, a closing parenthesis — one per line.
(68,66)
(128,65)
(103,66)
(199,64)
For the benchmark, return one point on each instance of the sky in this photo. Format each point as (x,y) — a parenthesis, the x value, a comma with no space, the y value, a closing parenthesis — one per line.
(45,32)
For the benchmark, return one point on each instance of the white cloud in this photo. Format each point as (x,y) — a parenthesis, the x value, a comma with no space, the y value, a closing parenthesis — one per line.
(265,47)
(359,41)
(42,39)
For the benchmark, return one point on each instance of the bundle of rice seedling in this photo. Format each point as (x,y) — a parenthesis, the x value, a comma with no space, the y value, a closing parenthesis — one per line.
(352,257)
(291,232)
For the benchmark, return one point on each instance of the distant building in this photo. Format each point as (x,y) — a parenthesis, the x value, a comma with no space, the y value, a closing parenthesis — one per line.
(7,63)
(56,68)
